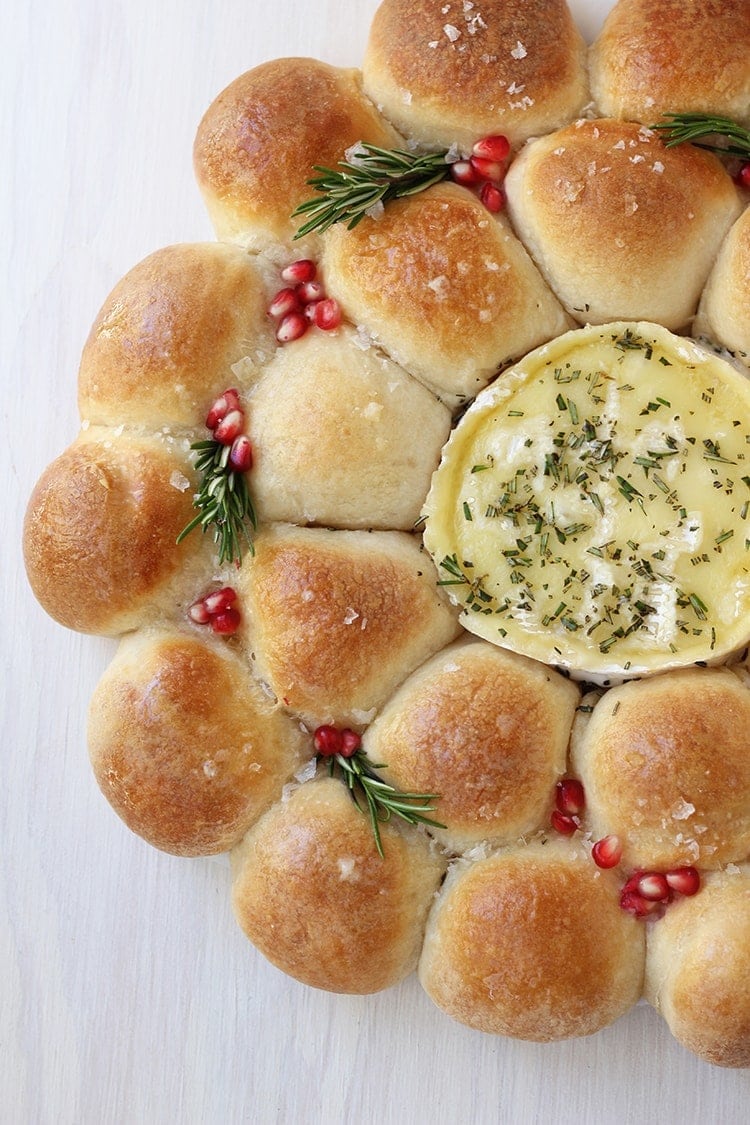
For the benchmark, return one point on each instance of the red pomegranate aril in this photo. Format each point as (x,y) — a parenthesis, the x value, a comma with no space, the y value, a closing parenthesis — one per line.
(495,147)
(638,905)
(198,613)
(220,600)
(569,796)
(328,740)
(463,172)
(743,176)
(229,400)
(492,197)
(565,825)
(226,622)
(607,852)
(488,169)
(241,454)
(350,743)
(653,886)
(684,880)
(327,314)
(296,272)
(310,291)
(292,327)
(230,427)
(286,301)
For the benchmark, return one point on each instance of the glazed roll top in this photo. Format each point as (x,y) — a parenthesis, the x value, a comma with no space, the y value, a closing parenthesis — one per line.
(724,310)
(448,74)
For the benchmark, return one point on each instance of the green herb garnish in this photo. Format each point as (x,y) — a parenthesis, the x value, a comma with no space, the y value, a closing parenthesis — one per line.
(223,502)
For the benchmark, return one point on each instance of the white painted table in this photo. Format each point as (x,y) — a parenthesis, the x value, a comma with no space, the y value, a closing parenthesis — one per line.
(127,992)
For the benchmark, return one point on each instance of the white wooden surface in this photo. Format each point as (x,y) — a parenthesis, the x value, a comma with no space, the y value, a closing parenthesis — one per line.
(127,993)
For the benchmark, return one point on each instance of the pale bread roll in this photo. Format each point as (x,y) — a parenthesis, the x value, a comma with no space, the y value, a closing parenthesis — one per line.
(724,311)
(337,619)
(164,343)
(487,731)
(697,969)
(673,56)
(665,764)
(444,286)
(185,746)
(621,226)
(448,74)
(312,893)
(260,139)
(334,438)
(532,942)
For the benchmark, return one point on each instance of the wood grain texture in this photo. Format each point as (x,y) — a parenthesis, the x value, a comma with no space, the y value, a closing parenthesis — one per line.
(127,993)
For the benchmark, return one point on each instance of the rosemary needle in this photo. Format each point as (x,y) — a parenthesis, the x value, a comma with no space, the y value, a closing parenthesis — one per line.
(694,128)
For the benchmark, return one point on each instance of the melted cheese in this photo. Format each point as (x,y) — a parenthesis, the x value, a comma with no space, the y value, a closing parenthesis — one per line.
(592,508)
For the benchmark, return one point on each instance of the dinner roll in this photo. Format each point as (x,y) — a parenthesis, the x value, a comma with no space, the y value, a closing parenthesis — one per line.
(334,440)
(260,139)
(337,619)
(665,764)
(673,56)
(621,226)
(532,942)
(444,286)
(312,893)
(724,310)
(185,746)
(697,969)
(164,343)
(450,73)
(486,730)
(100,531)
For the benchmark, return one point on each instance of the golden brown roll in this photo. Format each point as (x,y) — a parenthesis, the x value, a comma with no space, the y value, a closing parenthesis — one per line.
(486,730)
(724,310)
(164,343)
(337,619)
(665,764)
(673,56)
(532,942)
(444,286)
(258,142)
(621,226)
(451,73)
(100,530)
(312,893)
(185,746)
(697,969)
(334,438)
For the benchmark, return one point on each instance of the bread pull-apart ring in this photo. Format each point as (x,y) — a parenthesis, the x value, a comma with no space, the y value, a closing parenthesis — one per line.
(262,421)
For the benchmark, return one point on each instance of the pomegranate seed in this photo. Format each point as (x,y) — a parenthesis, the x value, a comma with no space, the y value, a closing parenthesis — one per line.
(291,328)
(569,796)
(229,400)
(684,880)
(636,904)
(350,743)
(286,301)
(464,172)
(328,740)
(653,886)
(743,176)
(241,454)
(308,311)
(565,825)
(230,427)
(198,613)
(488,169)
(607,852)
(226,622)
(219,600)
(492,197)
(495,147)
(299,271)
(327,314)
(310,291)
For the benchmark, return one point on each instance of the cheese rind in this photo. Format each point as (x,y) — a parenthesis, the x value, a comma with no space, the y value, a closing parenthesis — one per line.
(592,507)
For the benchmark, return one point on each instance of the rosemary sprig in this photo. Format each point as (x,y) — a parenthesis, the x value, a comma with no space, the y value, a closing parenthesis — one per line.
(371,176)
(223,502)
(694,128)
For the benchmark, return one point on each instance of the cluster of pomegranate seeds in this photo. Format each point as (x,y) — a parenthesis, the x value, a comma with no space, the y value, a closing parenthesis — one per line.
(330,740)
(226,421)
(302,302)
(218,610)
(647,892)
(484,171)
(569,805)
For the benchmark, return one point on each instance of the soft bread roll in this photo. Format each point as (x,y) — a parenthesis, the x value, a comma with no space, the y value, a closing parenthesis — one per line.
(531,942)
(621,226)
(259,141)
(673,56)
(185,746)
(486,730)
(314,896)
(444,286)
(100,531)
(724,310)
(665,764)
(449,73)
(334,440)
(164,343)
(337,619)
(697,969)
